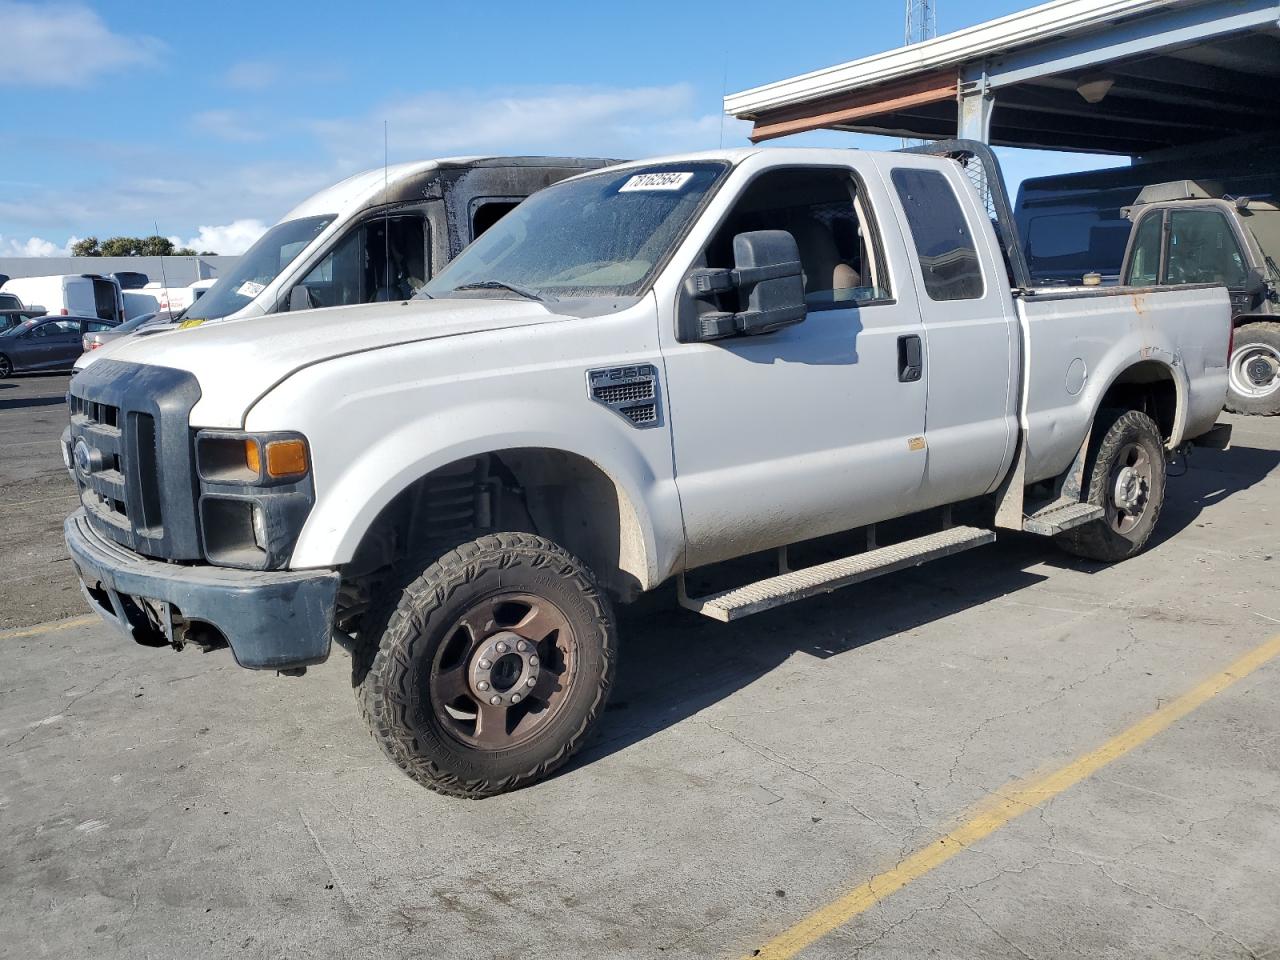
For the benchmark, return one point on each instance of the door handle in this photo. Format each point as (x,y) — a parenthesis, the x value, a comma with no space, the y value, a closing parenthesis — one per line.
(910,358)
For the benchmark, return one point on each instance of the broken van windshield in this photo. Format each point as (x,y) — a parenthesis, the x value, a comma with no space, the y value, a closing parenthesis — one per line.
(262,263)
(602,235)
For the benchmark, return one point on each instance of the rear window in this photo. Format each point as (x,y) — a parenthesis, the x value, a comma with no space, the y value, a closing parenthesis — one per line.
(944,245)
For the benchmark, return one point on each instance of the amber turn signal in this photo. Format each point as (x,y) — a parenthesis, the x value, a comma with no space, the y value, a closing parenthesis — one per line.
(286,458)
(252,460)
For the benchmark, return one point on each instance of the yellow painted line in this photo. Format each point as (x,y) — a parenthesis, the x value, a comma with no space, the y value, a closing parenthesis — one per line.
(1006,805)
(40,628)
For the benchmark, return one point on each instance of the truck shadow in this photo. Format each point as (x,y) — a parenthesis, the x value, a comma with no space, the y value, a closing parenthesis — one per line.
(676,663)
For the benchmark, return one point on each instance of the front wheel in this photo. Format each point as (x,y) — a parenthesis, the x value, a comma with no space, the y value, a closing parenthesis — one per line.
(6,367)
(1253,385)
(493,667)
(1126,478)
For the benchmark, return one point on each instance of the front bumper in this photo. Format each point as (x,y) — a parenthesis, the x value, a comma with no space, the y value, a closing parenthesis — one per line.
(271,620)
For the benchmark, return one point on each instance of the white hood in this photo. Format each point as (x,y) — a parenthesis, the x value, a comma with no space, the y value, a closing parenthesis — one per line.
(236,362)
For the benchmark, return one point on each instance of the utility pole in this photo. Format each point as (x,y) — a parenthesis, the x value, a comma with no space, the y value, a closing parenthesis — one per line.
(921,25)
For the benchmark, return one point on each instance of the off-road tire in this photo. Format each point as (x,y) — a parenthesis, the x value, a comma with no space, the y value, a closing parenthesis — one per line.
(1114,431)
(1266,335)
(388,666)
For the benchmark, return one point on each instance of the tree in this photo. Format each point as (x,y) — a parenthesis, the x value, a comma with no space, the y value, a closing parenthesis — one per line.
(153,246)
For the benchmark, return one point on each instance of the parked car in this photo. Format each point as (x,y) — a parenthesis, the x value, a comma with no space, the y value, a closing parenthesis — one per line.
(10,317)
(71,295)
(1192,232)
(93,339)
(639,371)
(46,343)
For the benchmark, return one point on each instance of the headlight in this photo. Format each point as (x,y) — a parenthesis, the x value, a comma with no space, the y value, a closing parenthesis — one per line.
(255,494)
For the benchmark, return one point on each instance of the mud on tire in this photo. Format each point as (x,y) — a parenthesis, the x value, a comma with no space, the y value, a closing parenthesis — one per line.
(1123,440)
(419,680)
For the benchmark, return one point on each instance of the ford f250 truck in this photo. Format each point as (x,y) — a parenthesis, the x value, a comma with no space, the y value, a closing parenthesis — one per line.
(640,371)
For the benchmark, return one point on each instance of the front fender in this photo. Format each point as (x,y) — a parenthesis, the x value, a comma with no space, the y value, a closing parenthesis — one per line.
(388,421)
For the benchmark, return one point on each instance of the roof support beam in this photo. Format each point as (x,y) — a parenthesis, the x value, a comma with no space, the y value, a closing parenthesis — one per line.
(852,107)
(1179,24)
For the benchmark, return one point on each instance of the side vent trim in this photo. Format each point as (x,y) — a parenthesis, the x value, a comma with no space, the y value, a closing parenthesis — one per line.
(630,392)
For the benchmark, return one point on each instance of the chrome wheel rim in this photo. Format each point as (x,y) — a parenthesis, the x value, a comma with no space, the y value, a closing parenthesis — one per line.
(1255,370)
(1130,488)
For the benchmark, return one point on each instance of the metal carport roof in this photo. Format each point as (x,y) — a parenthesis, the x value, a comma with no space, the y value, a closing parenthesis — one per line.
(1107,76)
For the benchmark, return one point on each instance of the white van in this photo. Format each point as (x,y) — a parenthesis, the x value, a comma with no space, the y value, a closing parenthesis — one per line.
(71,295)
(156,297)
(379,235)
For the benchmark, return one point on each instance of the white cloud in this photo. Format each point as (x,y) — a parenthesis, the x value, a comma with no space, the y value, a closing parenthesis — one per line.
(65,45)
(34,247)
(228,240)
(251,75)
(604,121)
(226,125)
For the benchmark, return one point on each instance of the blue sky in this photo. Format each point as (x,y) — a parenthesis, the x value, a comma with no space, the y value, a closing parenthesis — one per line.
(211,120)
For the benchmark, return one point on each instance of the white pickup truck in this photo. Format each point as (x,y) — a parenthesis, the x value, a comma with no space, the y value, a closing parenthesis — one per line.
(639,371)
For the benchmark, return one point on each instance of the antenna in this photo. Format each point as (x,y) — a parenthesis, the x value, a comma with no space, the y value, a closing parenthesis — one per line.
(386,212)
(921,25)
(163,279)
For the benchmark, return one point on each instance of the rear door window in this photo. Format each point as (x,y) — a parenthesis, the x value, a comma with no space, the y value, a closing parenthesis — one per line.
(945,248)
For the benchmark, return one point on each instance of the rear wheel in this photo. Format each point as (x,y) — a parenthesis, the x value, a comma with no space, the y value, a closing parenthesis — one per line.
(6,367)
(1126,478)
(1253,385)
(492,667)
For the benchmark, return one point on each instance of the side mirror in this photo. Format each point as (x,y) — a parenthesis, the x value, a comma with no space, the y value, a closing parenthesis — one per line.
(1255,284)
(299,298)
(769,282)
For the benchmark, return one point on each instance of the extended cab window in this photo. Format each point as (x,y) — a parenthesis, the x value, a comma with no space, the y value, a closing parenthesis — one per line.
(823,211)
(944,245)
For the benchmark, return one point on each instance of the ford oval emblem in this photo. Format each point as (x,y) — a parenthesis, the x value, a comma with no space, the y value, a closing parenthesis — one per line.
(84,460)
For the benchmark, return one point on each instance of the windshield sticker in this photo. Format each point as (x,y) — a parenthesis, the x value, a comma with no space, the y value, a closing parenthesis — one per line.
(667,180)
(188,324)
(250,289)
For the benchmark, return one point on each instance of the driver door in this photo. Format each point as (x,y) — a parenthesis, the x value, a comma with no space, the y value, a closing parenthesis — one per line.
(815,428)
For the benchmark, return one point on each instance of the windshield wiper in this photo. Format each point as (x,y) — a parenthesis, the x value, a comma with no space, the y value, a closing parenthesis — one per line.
(501,285)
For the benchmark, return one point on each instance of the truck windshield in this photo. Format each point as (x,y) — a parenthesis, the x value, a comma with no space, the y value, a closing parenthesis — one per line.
(603,235)
(261,264)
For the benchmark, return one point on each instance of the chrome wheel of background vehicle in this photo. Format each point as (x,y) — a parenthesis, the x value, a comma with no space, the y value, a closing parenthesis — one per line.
(1253,372)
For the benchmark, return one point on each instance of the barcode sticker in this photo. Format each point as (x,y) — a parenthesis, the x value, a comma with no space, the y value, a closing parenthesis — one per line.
(667,180)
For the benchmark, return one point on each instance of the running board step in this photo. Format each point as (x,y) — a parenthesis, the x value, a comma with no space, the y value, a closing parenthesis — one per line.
(1060,515)
(826,577)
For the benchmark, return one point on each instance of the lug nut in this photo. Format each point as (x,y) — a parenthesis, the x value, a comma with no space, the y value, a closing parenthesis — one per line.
(502,647)
(482,685)
(495,700)
(522,646)
(533,661)
(515,698)
(485,664)
(530,682)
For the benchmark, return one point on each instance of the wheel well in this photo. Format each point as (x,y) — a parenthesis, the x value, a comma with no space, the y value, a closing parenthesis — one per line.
(562,496)
(1147,386)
